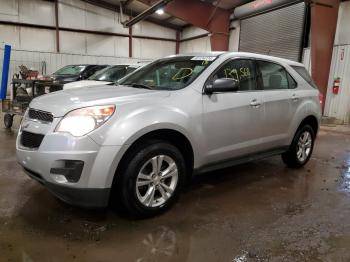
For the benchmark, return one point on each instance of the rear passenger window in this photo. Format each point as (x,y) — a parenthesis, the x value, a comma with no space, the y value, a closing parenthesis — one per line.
(304,74)
(241,70)
(273,76)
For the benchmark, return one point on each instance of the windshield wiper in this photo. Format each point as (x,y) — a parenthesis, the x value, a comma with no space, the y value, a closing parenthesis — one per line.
(139,86)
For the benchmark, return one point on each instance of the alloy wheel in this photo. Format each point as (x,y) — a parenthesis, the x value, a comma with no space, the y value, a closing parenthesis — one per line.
(157,181)
(304,146)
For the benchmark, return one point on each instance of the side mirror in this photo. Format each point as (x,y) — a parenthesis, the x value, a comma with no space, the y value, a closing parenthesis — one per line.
(222,85)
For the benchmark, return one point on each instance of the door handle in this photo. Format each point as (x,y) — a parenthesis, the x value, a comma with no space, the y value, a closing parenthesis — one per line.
(295,98)
(255,103)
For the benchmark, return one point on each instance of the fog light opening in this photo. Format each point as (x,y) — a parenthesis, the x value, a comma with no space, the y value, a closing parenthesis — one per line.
(67,171)
(60,179)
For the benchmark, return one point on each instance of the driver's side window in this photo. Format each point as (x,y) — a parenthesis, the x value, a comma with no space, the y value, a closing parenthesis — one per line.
(241,70)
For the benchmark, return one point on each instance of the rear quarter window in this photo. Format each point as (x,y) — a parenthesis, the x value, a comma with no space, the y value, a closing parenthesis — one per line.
(305,74)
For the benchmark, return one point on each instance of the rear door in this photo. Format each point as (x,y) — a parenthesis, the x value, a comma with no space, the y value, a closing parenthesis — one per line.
(233,121)
(278,97)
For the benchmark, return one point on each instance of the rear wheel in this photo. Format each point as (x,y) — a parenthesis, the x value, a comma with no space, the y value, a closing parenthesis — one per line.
(151,178)
(301,148)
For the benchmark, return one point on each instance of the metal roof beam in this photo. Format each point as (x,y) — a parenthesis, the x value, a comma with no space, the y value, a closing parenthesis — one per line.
(128,12)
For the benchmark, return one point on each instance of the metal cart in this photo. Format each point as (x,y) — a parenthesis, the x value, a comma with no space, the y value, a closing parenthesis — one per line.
(23,91)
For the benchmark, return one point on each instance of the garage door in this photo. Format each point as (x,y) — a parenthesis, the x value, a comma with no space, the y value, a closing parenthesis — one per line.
(277,33)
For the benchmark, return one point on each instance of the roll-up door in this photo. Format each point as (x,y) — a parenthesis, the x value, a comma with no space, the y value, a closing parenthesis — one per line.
(277,33)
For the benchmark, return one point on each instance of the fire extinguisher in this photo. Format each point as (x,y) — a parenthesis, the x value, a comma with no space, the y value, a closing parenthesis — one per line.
(336,85)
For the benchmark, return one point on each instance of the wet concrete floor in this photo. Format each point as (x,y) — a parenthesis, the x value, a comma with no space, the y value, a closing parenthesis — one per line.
(261,211)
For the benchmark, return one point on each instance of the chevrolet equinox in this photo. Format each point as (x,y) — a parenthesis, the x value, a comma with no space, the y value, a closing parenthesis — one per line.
(137,142)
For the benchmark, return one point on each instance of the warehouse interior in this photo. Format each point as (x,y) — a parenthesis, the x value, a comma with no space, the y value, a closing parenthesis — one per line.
(252,211)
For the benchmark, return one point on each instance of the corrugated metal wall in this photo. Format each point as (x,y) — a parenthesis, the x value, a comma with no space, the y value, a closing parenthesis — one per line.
(338,106)
(33,46)
(203,44)
(79,15)
(195,45)
(306,60)
(54,61)
(233,44)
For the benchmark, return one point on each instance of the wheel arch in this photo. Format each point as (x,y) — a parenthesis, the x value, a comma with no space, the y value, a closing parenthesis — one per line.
(172,136)
(312,121)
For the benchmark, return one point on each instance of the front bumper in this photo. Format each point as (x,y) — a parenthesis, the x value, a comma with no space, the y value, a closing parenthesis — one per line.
(82,197)
(92,189)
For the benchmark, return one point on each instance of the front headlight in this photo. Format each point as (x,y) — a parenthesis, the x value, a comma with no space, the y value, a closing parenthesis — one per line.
(82,121)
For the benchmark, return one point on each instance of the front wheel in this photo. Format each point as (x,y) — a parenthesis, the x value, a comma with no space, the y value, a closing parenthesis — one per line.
(301,148)
(151,179)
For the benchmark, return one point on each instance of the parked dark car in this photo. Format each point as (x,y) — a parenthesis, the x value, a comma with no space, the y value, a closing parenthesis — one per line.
(72,73)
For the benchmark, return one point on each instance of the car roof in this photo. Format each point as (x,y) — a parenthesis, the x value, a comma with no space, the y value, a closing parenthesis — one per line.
(211,54)
(82,65)
(241,54)
(267,57)
(127,65)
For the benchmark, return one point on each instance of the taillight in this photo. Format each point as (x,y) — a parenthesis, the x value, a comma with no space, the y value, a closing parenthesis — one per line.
(320,97)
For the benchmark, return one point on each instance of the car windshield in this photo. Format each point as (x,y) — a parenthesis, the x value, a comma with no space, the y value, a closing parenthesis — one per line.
(70,70)
(169,73)
(112,73)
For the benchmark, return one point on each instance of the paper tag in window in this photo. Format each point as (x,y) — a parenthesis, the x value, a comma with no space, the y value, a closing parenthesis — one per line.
(203,58)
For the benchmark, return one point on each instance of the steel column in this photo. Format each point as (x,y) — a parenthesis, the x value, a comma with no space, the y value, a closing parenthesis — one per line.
(57,27)
(323,27)
(177,48)
(206,16)
(130,41)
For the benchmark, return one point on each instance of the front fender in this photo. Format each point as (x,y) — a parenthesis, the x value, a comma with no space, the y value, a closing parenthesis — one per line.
(127,128)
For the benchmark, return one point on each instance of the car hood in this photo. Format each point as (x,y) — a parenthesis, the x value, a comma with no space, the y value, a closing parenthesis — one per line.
(61,102)
(84,83)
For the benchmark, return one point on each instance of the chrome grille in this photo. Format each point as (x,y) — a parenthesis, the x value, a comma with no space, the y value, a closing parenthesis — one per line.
(40,115)
(31,140)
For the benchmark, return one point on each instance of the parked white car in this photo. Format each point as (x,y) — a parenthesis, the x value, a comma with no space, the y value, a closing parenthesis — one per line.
(105,76)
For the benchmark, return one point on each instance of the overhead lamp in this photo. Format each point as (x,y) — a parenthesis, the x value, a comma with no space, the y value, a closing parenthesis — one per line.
(160,11)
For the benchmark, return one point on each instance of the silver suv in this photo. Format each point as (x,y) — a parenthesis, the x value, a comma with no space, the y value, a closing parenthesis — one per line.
(137,143)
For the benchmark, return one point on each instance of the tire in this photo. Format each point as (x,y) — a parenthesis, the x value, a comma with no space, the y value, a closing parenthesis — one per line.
(146,158)
(8,121)
(299,153)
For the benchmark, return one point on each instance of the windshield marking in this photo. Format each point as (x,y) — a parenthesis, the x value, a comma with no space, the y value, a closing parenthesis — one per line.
(178,76)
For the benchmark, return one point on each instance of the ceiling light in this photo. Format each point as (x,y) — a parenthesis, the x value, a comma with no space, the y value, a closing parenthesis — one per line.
(160,11)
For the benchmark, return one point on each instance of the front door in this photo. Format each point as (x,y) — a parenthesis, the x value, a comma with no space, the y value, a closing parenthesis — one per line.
(233,121)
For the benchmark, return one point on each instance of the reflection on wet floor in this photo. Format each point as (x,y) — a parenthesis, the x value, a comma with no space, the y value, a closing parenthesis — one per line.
(260,211)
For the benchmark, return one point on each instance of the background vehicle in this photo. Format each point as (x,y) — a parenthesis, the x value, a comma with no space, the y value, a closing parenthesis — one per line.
(105,76)
(72,73)
(137,144)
